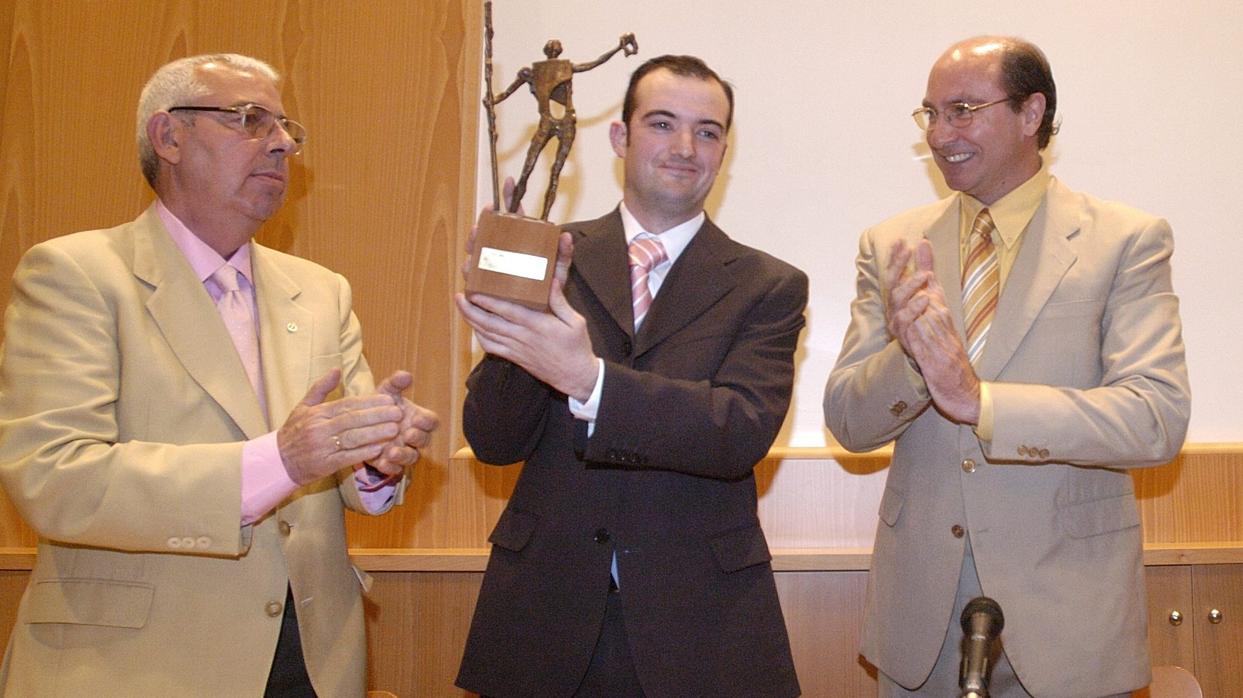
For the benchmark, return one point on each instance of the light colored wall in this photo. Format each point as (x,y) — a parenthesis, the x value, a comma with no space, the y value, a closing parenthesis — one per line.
(823,145)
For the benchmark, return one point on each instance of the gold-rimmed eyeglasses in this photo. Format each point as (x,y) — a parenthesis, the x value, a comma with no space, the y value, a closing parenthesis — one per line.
(957,115)
(257,122)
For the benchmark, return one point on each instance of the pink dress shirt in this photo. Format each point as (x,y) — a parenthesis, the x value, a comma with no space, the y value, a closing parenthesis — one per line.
(265,483)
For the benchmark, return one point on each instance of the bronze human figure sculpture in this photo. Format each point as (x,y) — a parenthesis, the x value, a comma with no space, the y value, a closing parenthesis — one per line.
(550,82)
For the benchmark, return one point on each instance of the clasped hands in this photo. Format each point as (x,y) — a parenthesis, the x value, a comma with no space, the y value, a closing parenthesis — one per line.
(554,347)
(384,430)
(918,317)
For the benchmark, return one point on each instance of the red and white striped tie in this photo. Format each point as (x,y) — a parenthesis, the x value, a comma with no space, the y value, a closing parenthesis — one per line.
(981,284)
(645,255)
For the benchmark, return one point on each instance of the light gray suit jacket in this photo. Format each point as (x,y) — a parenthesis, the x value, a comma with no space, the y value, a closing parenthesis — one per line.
(1086,368)
(123,408)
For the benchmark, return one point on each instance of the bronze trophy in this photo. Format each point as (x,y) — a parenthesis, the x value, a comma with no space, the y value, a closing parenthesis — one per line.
(513,255)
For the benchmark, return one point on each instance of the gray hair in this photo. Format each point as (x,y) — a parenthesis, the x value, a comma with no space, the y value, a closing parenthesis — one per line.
(176,83)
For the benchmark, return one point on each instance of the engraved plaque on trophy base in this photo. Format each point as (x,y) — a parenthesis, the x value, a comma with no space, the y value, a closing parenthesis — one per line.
(514,258)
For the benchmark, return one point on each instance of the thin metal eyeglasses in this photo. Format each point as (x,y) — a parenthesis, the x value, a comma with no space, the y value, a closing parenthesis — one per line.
(258,122)
(957,115)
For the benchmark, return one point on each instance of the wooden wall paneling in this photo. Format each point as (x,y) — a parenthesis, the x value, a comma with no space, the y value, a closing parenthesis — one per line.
(398,183)
(1219,646)
(819,503)
(823,612)
(416,630)
(67,155)
(473,507)
(12,586)
(1198,497)
(1169,589)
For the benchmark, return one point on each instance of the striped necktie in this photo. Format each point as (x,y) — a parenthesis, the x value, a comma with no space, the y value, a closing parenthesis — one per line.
(981,284)
(645,255)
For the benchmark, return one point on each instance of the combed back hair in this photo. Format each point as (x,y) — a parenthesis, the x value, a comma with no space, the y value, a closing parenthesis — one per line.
(685,66)
(175,84)
(1024,72)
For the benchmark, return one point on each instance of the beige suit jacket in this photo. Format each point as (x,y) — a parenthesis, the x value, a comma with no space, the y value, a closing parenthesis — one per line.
(123,408)
(1085,360)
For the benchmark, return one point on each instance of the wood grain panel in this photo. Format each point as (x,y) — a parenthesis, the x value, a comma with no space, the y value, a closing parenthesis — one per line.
(823,612)
(416,630)
(1219,647)
(1169,589)
(12,586)
(1196,498)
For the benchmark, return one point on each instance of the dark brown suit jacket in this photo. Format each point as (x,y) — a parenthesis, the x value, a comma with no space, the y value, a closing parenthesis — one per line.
(689,406)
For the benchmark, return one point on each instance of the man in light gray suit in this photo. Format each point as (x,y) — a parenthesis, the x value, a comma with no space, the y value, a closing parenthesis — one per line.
(1021,343)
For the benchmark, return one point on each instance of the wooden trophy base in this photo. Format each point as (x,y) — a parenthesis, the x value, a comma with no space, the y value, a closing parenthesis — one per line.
(513,258)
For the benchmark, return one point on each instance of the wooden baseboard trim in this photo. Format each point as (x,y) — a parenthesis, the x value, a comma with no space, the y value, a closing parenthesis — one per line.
(784,559)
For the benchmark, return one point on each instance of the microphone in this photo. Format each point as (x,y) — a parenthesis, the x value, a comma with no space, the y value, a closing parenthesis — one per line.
(981,624)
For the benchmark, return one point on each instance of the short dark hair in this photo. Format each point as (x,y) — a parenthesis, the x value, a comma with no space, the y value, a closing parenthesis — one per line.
(686,66)
(1024,72)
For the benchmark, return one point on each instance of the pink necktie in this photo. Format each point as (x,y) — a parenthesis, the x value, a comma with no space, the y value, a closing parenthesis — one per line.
(645,255)
(981,284)
(234,309)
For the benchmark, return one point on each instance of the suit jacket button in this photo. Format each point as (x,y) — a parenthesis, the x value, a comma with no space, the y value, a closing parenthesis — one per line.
(627,347)
(1044,453)
(968,466)
(957,531)
(273,609)
(602,536)
(1023,451)
(897,408)
(284,527)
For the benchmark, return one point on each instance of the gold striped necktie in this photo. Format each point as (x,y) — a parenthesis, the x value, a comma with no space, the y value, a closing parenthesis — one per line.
(981,284)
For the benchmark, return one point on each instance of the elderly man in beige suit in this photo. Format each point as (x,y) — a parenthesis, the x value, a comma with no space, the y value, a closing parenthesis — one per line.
(187,467)
(1021,343)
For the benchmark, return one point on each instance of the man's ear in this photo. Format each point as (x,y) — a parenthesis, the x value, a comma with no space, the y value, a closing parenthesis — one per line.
(619,137)
(1033,112)
(163,133)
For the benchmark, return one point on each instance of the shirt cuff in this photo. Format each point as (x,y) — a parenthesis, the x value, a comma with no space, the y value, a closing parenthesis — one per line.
(375,489)
(265,483)
(984,429)
(588,410)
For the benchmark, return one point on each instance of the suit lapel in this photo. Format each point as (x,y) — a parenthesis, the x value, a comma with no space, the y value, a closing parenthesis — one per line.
(946,265)
(1045,254)
(697,280)
(600,261)
(285,332)
(190,323)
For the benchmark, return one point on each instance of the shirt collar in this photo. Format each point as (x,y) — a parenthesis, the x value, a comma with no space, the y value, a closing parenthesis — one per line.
(1012,212)
(202,258)
(674,239)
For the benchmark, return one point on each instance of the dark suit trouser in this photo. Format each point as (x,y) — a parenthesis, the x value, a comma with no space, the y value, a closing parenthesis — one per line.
(288,677)
(611,673)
